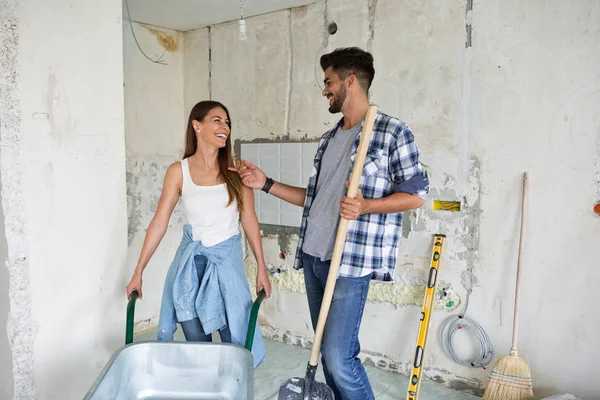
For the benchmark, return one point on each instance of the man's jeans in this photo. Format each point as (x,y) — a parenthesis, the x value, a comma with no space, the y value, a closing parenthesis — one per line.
(343,370)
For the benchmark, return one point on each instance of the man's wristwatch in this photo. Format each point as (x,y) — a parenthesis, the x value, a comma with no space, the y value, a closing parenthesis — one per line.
(269,182)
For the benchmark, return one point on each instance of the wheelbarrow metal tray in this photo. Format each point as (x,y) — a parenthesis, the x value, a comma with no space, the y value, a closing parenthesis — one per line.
(154,370)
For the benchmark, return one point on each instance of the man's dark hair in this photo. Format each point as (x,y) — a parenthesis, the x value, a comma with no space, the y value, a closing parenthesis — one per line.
(351,61)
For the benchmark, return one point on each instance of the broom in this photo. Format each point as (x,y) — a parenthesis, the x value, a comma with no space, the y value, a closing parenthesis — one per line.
(511,376)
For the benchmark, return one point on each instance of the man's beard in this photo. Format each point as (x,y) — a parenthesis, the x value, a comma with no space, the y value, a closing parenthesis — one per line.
(338,101)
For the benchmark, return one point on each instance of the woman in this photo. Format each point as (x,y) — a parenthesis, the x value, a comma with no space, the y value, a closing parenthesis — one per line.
(206,288)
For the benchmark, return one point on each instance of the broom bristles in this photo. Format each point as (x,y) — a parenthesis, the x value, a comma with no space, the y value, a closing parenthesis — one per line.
(510,380)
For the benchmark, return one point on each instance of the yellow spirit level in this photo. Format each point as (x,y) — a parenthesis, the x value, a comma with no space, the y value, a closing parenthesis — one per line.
(415,377)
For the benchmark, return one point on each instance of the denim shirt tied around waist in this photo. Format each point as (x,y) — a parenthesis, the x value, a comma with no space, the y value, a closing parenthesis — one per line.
(222,299)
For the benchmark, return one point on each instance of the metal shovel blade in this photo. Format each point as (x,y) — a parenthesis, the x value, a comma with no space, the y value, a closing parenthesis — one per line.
(301,389)
(305,389)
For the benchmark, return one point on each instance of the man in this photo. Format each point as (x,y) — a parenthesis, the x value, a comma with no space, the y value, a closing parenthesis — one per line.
(393,181)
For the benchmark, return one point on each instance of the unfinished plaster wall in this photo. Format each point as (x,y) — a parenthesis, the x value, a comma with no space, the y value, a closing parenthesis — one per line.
(281,101)
(153,134)
(8,126)
(157,105)
(516,93)
(196,71)
(18,372)
(536,96)
(6,376)
(63,193)
(153,91)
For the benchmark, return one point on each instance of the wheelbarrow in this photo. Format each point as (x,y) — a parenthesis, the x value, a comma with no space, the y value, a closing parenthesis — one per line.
(157,370)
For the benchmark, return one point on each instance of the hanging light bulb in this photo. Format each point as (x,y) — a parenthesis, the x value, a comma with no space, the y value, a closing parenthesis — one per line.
(242,28)
(243,35)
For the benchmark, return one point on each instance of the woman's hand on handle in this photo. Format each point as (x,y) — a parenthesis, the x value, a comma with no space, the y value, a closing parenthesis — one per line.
(135,284)
(263,282)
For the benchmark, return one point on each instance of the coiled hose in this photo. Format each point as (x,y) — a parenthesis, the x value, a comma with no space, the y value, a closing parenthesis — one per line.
(463,323)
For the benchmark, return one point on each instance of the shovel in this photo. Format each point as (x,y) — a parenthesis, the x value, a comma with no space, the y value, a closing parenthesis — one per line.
(308,388)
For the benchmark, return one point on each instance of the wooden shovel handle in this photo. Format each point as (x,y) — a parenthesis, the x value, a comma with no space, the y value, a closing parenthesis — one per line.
(521,243)
(341,233)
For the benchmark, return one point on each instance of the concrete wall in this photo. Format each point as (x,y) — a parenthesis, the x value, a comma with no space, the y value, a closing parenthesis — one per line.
(196,72)
(63,192)
(278,98)
(536,96)
(519,94)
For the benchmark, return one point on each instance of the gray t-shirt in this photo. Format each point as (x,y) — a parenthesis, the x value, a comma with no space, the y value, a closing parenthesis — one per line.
(324,214)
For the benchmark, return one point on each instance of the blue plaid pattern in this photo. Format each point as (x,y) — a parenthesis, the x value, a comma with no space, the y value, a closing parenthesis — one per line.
(392,165)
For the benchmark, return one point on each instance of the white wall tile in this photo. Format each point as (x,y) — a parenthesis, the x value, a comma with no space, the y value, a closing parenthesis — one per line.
(290,219)
(290,208)
(290,163)
(268,217)
(291,150)
(250,150)
(270,165)
(269,202)
(293,178)
(269,149)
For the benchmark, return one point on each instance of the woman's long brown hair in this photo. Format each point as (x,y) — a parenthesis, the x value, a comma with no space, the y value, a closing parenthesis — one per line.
(224,158)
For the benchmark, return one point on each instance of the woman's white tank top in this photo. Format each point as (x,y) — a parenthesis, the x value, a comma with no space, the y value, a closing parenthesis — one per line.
(206,210)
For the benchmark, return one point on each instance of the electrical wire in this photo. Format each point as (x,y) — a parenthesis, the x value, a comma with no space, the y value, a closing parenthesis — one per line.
(159,60)
(242,6)
(461,322)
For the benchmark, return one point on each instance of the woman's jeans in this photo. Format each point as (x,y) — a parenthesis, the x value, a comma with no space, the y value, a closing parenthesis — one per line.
(192,329)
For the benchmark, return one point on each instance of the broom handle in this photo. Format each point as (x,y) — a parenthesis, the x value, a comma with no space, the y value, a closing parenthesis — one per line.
(340,239)
(521,239)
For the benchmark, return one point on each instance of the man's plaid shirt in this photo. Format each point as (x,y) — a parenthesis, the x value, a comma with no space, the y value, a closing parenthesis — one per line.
(392,165)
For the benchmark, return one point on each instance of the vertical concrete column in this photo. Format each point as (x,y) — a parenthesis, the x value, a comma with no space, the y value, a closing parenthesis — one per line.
(62,158)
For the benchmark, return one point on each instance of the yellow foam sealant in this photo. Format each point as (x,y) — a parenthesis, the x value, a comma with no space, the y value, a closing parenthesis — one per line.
(285,280)
(397,293)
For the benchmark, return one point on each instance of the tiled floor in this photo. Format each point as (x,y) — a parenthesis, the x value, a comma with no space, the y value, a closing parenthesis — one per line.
(286,361)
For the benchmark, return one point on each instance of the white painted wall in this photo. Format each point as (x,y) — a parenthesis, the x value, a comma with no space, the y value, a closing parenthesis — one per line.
(63,193)
(524,97)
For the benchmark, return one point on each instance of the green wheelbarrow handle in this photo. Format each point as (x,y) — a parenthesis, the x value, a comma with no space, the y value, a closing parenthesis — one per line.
(251,324)
(130,313)
(253,318)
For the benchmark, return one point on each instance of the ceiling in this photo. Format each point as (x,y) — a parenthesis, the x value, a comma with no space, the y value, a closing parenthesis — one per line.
(184,15)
